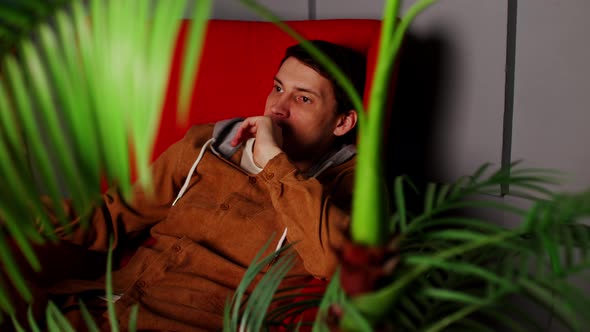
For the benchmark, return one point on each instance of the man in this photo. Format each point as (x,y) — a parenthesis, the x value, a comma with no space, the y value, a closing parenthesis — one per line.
(222,192)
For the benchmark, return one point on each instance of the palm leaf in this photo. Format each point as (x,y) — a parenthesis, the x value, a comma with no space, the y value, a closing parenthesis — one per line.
(334,295)
(14,273)
(562,309)
(56,321)
(412,315)
(469,244)
(255,310)
(75,98)
(109,289)
(400,201)
(512,317)
(90,324)
(232,311)
(18,19)
(17,326)
(31,320)
(459,267)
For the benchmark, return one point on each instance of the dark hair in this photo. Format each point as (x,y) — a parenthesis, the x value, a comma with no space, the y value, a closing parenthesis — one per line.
(349,61)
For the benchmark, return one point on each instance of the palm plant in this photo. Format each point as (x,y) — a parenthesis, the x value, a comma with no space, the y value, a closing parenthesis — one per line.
(451,271)
(82,82)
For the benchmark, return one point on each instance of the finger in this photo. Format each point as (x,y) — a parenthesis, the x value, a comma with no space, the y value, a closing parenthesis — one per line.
(246,131)
(238,137)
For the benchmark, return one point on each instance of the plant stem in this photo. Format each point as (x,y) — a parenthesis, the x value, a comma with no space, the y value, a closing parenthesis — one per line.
(369,206)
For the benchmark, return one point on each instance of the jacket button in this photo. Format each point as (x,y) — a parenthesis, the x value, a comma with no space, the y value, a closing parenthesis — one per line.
(176,248)
(224,206)
(252,180)
(141,284)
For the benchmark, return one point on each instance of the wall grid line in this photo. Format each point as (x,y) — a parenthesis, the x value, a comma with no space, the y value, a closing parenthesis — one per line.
(312,11)
(509,89)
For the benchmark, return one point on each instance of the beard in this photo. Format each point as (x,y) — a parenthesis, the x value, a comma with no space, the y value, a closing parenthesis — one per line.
(296,149)
(299,151)
(291,146)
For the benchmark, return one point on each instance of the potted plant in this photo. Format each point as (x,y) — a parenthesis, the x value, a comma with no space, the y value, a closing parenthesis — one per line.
(94,75)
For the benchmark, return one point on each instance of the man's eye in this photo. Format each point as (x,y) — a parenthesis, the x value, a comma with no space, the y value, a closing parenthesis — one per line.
(278,88)
(305,99)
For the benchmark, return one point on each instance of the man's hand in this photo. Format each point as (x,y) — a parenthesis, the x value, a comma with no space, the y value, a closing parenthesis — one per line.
(269,138)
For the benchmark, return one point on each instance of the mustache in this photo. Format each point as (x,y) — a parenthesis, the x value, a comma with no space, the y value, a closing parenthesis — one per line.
(286,129)
(280,122)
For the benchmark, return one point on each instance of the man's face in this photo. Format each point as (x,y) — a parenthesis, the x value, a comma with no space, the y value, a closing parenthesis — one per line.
(303,104)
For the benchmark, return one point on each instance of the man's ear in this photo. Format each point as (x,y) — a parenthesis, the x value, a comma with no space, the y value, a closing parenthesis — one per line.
(346,122)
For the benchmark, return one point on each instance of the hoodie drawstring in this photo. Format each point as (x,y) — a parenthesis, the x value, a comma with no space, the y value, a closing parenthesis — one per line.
(282,240)
(192,170)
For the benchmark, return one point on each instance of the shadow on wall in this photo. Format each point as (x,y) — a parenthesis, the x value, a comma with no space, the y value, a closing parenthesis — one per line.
(417,108)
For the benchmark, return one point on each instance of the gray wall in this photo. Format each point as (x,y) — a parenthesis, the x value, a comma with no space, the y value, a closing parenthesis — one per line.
(286,9)
(552,87)
(467,95)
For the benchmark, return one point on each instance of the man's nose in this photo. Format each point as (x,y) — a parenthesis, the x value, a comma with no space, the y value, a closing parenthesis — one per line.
(280,108)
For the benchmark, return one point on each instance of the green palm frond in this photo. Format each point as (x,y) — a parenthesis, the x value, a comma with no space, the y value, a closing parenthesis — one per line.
(450,260)
(369,205)
(90,323)
(253,316)
(249,315)
(335,297)
(75,101)
(19,18)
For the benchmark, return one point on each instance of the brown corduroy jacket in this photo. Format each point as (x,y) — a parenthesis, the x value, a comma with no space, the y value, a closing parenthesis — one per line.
(205,242)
